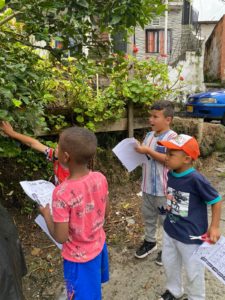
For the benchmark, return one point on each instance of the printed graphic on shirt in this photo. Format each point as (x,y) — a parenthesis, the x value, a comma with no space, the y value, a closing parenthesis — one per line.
(160,149)
(177,202)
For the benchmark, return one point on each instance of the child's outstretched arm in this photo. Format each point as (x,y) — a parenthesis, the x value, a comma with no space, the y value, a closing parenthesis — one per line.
(59,231)
(27,140)
(214,228)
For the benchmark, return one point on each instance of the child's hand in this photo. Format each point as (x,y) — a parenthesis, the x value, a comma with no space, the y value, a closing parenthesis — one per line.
(142,149)
(213,234)
(45,211)
(6,127)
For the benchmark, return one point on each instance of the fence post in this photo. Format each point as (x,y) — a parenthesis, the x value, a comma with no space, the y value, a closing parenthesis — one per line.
(130,107)
(130,120)
(200,130)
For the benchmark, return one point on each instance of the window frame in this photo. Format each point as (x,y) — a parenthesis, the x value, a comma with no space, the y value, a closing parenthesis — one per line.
(158,30)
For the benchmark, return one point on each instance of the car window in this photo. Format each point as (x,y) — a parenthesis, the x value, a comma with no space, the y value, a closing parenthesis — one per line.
(191,99)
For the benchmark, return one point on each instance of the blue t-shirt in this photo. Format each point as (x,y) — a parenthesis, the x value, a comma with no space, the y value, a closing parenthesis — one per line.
(188,195)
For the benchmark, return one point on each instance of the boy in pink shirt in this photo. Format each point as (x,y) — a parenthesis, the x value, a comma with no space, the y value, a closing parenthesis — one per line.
(79,207)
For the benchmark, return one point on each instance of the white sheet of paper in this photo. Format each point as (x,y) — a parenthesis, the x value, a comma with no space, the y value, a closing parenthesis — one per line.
(39,191)
(127,154)
(139,194)
(213,257)
(41,222)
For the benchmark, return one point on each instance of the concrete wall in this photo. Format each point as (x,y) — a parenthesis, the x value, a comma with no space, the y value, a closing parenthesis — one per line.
(174,24)
(214,59)
(206,30)
(192,72)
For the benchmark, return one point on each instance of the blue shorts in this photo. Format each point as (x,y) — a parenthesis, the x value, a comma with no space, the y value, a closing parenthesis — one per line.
(83,280)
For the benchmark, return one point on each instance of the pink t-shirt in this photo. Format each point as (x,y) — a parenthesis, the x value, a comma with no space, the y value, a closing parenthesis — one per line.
(82,204)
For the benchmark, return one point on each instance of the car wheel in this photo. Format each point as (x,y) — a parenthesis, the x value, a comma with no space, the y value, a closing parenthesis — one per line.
(223,120)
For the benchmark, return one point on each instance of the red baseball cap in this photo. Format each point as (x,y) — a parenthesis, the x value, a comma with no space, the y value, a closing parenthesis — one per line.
(183,142)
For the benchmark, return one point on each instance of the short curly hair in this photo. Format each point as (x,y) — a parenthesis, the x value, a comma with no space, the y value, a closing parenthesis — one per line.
(165,105)
(80,143)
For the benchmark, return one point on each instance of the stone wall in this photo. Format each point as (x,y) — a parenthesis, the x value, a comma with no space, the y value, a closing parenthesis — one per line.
(211,137)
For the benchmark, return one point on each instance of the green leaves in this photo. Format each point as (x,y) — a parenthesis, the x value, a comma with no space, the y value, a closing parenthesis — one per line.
(3,114)
(17,103)
(80,119)
(9,148)
(83,3)
(126,14)
(115,19)
(31,85)
(22,80)
(2,3)
(74,86)
(80,22)
(5,93)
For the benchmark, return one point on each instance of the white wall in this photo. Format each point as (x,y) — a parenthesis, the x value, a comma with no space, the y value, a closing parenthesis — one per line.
(206,30)
(192,72)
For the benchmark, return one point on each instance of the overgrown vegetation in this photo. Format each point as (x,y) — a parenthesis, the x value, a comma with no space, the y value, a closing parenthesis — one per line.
(79,23)
(37,76)
(33,81)
(76,87)
(21,89)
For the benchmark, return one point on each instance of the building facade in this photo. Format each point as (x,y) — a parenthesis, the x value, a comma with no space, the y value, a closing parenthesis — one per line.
(150,40)
(214,59)
(181,35)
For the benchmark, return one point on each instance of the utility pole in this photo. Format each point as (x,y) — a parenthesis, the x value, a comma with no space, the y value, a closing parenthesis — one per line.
(166,31)
(130,105)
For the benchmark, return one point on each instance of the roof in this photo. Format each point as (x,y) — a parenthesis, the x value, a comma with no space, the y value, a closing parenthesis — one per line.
(207,22)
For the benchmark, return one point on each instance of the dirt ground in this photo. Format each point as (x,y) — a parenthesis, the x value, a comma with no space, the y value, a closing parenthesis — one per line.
(130,278)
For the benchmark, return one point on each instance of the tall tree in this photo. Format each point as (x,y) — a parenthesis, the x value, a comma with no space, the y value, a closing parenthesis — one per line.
(78,23)
(73,23)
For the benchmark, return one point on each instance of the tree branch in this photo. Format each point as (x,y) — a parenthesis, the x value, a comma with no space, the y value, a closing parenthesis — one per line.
(9,18)
(47,47)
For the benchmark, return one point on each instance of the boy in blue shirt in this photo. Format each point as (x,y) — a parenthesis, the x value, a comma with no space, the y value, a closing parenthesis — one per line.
(188,195)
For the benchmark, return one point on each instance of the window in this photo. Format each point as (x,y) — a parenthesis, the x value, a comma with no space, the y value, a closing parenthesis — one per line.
(72,48)
(155,41)
(186,13)
(58,45)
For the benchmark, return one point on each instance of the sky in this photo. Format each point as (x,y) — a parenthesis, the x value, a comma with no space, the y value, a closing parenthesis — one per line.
(209,10)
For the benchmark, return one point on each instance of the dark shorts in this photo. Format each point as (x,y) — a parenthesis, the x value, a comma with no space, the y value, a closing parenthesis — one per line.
(83,280)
